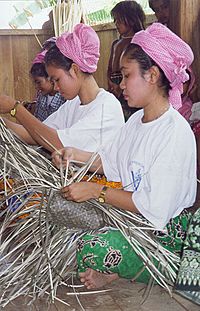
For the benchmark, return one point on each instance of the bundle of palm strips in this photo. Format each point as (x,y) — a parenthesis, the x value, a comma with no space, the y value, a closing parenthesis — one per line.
(37,255)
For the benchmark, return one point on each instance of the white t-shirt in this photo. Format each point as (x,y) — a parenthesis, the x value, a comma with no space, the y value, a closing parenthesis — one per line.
(157,162)
(87,126)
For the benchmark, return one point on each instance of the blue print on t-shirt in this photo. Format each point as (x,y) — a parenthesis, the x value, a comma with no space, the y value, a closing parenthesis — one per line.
(136,170)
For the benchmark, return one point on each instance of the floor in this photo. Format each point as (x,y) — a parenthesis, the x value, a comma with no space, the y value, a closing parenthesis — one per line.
(123,296)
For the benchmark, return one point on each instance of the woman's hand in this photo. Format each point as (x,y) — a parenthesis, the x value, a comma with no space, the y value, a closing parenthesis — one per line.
(6,103)
(62,156)
(82,191)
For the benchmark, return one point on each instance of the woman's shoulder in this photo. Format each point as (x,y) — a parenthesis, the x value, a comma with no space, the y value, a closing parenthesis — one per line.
(107,96)
(69,104)
(178,120)
(114,42)
(122,43)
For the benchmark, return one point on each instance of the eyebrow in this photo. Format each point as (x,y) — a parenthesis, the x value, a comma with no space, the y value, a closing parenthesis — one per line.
(123,67)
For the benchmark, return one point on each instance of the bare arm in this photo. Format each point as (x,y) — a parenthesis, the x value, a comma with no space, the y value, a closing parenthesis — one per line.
(37,129)
(83,191)
(69,154)
(20,131)
(34,129)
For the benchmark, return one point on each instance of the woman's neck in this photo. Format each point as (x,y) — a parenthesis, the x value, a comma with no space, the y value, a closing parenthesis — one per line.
(89,90)
(155,110)
(128,34)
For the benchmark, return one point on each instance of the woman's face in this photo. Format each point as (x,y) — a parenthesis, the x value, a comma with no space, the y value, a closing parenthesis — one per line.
(161,9)
(65,82)
(122,28)
(43,84)
(135,87)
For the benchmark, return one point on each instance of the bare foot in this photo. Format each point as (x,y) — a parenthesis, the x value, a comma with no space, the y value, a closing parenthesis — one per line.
(93,279)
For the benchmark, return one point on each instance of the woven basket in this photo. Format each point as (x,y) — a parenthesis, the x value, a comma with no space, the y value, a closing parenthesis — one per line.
(74,215)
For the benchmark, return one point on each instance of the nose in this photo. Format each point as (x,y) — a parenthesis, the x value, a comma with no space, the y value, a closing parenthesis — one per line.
(37,87)
(116,23)
(122,84)
(56,87)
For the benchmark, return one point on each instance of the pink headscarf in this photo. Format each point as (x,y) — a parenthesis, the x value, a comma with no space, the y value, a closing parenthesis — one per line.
(171,54)
(81,46)
(39,57)
(186,109)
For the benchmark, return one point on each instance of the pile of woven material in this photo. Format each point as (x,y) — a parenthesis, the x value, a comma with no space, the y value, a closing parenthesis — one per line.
(39,229)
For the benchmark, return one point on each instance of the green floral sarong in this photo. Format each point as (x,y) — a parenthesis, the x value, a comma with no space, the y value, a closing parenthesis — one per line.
(188,280)
(107,250)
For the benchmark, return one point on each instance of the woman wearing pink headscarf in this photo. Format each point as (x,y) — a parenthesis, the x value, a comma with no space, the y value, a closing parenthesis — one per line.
(153,155)
(89,117)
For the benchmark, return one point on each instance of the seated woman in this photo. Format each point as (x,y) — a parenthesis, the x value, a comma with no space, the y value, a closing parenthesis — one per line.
(153,155)
(48,100)
(91,116)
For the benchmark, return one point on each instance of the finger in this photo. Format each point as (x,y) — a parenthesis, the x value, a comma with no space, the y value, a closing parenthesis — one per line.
(56,158)
(65,190)
(67,154)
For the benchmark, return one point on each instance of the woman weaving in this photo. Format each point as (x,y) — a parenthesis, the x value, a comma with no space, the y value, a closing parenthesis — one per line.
(89,117)
(153,155)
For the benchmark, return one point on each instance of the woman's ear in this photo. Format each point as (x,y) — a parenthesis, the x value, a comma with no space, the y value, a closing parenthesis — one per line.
(74,70)
(152,75)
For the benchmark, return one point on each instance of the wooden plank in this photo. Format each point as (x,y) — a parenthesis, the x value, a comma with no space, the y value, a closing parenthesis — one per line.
(27,32)
(6,65)
(185,21)
(16,55)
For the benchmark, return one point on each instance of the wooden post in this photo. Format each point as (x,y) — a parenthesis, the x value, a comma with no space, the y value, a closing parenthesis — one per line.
(185,22)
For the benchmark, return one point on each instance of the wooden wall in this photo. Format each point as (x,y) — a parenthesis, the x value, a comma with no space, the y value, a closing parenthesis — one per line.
(17,50)
(185,22)
(19,47)
(107,34)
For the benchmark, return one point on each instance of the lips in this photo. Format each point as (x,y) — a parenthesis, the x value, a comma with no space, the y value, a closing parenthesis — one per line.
(125,96)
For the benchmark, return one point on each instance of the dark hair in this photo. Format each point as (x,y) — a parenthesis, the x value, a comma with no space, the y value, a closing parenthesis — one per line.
(151,2)
(55,58)
(130,13)
(38,70)
(47,45)
(134,51)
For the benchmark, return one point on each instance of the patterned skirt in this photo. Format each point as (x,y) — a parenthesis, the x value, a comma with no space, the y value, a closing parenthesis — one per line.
(188,280)
(108,251)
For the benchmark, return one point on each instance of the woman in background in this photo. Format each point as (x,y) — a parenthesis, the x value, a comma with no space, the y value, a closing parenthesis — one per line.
(129,18)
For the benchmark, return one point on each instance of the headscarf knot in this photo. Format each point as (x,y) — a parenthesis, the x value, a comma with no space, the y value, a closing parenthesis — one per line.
(39,59)
(170,53)
(81,46)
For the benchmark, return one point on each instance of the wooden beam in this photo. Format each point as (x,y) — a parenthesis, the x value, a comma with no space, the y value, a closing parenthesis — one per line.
(185,22)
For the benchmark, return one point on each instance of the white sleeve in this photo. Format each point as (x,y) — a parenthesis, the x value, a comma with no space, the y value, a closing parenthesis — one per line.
(57,120)
(108,156)
(84,134)
(93,129)
(174,174)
